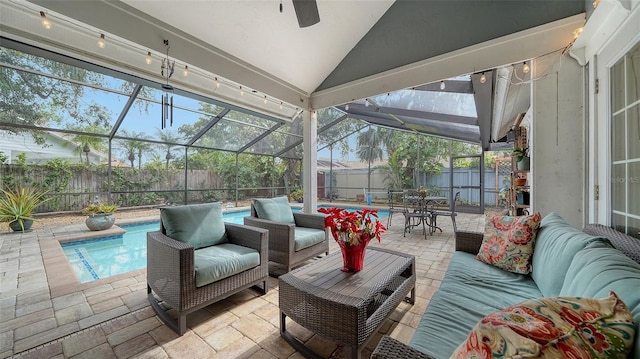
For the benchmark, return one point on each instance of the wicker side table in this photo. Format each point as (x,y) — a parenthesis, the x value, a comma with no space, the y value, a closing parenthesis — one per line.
(345,307)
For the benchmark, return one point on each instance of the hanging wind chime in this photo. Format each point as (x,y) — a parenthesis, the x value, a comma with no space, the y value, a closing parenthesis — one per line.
(166,70)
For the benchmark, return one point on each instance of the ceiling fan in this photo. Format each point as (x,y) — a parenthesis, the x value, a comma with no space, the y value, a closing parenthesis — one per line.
(306,12)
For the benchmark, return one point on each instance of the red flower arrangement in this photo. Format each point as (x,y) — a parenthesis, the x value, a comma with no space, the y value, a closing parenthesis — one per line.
(353,227)
(353,231)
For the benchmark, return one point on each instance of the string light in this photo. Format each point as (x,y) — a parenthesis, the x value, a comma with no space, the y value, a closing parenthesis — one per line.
(577,32)
(366,102)
(217,83)
(442,85)
(45,22)
(525,68)
(241,91)
(101,43)
(148,58)
(281,105)
(595,3)
(185,72)
(265,99)
(346,108)
(483,78)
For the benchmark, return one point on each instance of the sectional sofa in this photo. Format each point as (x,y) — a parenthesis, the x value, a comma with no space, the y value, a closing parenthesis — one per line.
(566,262)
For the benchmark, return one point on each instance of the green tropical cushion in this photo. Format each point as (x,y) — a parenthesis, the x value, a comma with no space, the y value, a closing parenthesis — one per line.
(563,327)
(222,261)
(307,237)
(200,225)
(275,209)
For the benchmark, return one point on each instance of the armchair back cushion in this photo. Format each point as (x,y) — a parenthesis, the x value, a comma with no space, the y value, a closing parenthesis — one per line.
(274,209)
(556,242)
(200,225)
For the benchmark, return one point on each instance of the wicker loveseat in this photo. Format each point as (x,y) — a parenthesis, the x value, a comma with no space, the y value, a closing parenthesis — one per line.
(566,262)
(293,237)
(197,259)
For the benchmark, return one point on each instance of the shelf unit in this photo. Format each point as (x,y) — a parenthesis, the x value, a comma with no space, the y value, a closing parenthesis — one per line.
(515,208)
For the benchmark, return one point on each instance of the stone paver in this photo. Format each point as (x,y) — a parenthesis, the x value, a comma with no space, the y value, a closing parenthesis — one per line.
(46,313)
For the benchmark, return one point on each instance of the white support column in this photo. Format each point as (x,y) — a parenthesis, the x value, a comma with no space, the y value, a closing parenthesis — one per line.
(309,161)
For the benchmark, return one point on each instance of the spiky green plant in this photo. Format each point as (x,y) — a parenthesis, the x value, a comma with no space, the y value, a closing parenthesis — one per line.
(99,208)
(17,205)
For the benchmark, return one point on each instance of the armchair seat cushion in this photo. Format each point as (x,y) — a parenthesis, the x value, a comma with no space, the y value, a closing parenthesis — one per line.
(221,261)
(307,237)
(274,209)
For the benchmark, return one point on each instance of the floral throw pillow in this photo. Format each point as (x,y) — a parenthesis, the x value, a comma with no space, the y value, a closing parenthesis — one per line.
(564,327)
(508,242)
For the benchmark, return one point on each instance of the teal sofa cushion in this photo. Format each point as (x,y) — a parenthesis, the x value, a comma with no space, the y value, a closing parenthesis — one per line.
(600,268)
(307,237)
(556,244)
(274,209)
(200,225)
(222,261)
(469,291)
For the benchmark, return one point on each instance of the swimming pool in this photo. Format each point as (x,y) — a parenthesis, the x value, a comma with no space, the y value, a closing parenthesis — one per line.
(97,258)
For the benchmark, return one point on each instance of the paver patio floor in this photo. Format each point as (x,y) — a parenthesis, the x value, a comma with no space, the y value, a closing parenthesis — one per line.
(46,313)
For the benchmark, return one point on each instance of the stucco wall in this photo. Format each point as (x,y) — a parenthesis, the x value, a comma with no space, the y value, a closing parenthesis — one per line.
(558,140)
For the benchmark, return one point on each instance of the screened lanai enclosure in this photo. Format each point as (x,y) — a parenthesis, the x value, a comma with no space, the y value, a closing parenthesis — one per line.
(83,133)
(90,114)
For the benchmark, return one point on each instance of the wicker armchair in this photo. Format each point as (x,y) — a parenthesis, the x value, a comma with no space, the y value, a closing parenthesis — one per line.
(282,238)
(171,272)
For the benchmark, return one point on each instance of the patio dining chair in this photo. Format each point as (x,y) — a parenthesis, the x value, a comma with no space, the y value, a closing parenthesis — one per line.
(414,212)
(394,199)
(196,259)
(435,211)
(293,237)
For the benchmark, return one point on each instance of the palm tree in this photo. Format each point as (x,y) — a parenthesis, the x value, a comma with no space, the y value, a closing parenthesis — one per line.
(369,150)
(169,139)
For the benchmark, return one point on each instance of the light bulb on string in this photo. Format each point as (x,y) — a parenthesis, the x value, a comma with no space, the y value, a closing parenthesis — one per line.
(217,83)
(346,108)
(442,85)
(148,58)
(101,41)
(241,91)
(366,102)
(185,72)
(45,22)
(525,68)
(281,105)
(483,78)
(265,99)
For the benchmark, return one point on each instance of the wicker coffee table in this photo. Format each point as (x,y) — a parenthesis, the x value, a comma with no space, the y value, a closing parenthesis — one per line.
(345,307)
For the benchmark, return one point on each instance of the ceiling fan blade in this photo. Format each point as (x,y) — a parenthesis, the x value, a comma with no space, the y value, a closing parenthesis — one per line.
(306,12)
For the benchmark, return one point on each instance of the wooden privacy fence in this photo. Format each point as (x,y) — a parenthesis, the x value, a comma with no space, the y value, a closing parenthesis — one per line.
(73,187)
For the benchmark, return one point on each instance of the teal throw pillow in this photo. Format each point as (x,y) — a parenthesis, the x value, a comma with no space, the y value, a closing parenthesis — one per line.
(274,209)
(200,225)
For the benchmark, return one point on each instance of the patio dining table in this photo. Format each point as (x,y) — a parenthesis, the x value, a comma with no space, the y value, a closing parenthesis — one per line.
(418,209)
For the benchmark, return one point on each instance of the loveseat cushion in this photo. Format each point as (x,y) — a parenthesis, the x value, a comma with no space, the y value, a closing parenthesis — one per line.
(221,261)
(199,225)
(508,242)
(556,244)
(600,268)
(469,291)
(563,327)
(275,209)
(307,237)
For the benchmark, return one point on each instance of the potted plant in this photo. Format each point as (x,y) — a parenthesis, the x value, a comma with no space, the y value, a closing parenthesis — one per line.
(297,195)
(16,207)
(522,156)
(100,216)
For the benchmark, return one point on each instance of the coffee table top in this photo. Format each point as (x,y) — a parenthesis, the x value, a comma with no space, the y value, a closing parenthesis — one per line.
(326,278)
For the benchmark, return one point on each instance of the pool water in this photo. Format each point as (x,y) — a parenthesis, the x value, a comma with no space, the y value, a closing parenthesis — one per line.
(104,257)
